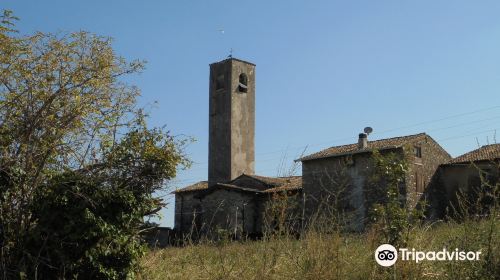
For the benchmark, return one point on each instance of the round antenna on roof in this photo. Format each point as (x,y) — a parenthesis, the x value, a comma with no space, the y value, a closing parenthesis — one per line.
(368,130)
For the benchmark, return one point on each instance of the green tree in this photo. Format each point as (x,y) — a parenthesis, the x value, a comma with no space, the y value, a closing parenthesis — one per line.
(78,165)
(390,212)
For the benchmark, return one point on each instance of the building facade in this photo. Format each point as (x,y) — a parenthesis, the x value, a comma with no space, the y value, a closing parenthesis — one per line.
(236,201)
(343,175)
(467,181)
(231,149)
(233,200)
(237,208)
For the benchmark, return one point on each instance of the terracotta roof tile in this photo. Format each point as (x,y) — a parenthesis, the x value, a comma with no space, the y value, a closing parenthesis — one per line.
(279,181)
(289,187)
(394,142)
(274,183)
(487,152)
(230,186)
(202,185)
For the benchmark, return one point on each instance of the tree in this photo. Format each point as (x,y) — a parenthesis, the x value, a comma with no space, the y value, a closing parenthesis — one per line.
(78,163)
(390,211)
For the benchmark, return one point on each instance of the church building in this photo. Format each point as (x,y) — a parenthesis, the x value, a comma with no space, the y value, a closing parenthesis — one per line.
(236,201)
(233,198)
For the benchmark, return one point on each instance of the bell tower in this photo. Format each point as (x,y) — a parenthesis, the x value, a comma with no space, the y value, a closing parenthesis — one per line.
(231,120)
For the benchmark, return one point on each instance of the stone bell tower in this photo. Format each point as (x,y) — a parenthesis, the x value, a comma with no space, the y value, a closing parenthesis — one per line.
(231,120)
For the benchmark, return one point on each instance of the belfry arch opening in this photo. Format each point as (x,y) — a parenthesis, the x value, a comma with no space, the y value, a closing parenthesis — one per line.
(243,83)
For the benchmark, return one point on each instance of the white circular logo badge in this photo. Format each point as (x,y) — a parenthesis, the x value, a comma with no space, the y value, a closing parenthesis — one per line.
(386,255)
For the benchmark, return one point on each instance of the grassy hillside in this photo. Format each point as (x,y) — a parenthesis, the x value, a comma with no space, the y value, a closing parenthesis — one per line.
(332,256)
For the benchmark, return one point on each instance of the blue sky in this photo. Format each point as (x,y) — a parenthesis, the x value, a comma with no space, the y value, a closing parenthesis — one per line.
(325,69)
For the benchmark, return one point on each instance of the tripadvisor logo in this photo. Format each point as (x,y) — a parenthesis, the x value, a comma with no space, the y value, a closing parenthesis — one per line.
(387,255)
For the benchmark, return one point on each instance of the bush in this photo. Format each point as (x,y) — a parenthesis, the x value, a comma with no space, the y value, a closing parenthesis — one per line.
(78,164)
(330,256)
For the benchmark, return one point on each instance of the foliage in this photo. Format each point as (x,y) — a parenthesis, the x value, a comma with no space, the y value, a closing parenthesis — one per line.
(390,213)
(333,210)
(282,215)
(481,196)
(330,256)
(78,164)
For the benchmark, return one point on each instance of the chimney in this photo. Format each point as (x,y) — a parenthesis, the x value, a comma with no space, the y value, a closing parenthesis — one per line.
(363,141)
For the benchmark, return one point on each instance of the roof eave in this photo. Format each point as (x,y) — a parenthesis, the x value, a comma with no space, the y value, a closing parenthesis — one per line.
(349,153)
(470,162)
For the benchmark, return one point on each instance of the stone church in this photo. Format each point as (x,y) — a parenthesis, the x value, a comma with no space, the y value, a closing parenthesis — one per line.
(236,200)
(233,197)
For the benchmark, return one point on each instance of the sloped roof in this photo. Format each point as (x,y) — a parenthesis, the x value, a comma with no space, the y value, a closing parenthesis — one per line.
(282,183)
(387,143)
(278,181)
(487,152)
(275,184)
(202,185)
(231,186)
(282,189)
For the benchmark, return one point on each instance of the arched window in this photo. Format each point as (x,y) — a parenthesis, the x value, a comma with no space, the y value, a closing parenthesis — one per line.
(243,83)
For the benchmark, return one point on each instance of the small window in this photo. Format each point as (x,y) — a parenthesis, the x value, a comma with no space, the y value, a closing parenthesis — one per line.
(243,83)
(417,151)
(419,183)
(219,82)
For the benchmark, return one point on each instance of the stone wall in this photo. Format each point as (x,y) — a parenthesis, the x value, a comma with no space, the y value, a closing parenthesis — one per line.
(454,180)
(185,205)
(231,121)
(212,211)
(231,210)
(325,178)
(337,182)
(423,169)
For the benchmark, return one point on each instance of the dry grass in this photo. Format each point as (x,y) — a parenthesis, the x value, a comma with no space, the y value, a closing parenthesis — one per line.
(331,256)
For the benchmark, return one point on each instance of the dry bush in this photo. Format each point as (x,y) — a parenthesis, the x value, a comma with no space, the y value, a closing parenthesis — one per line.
(331,256)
